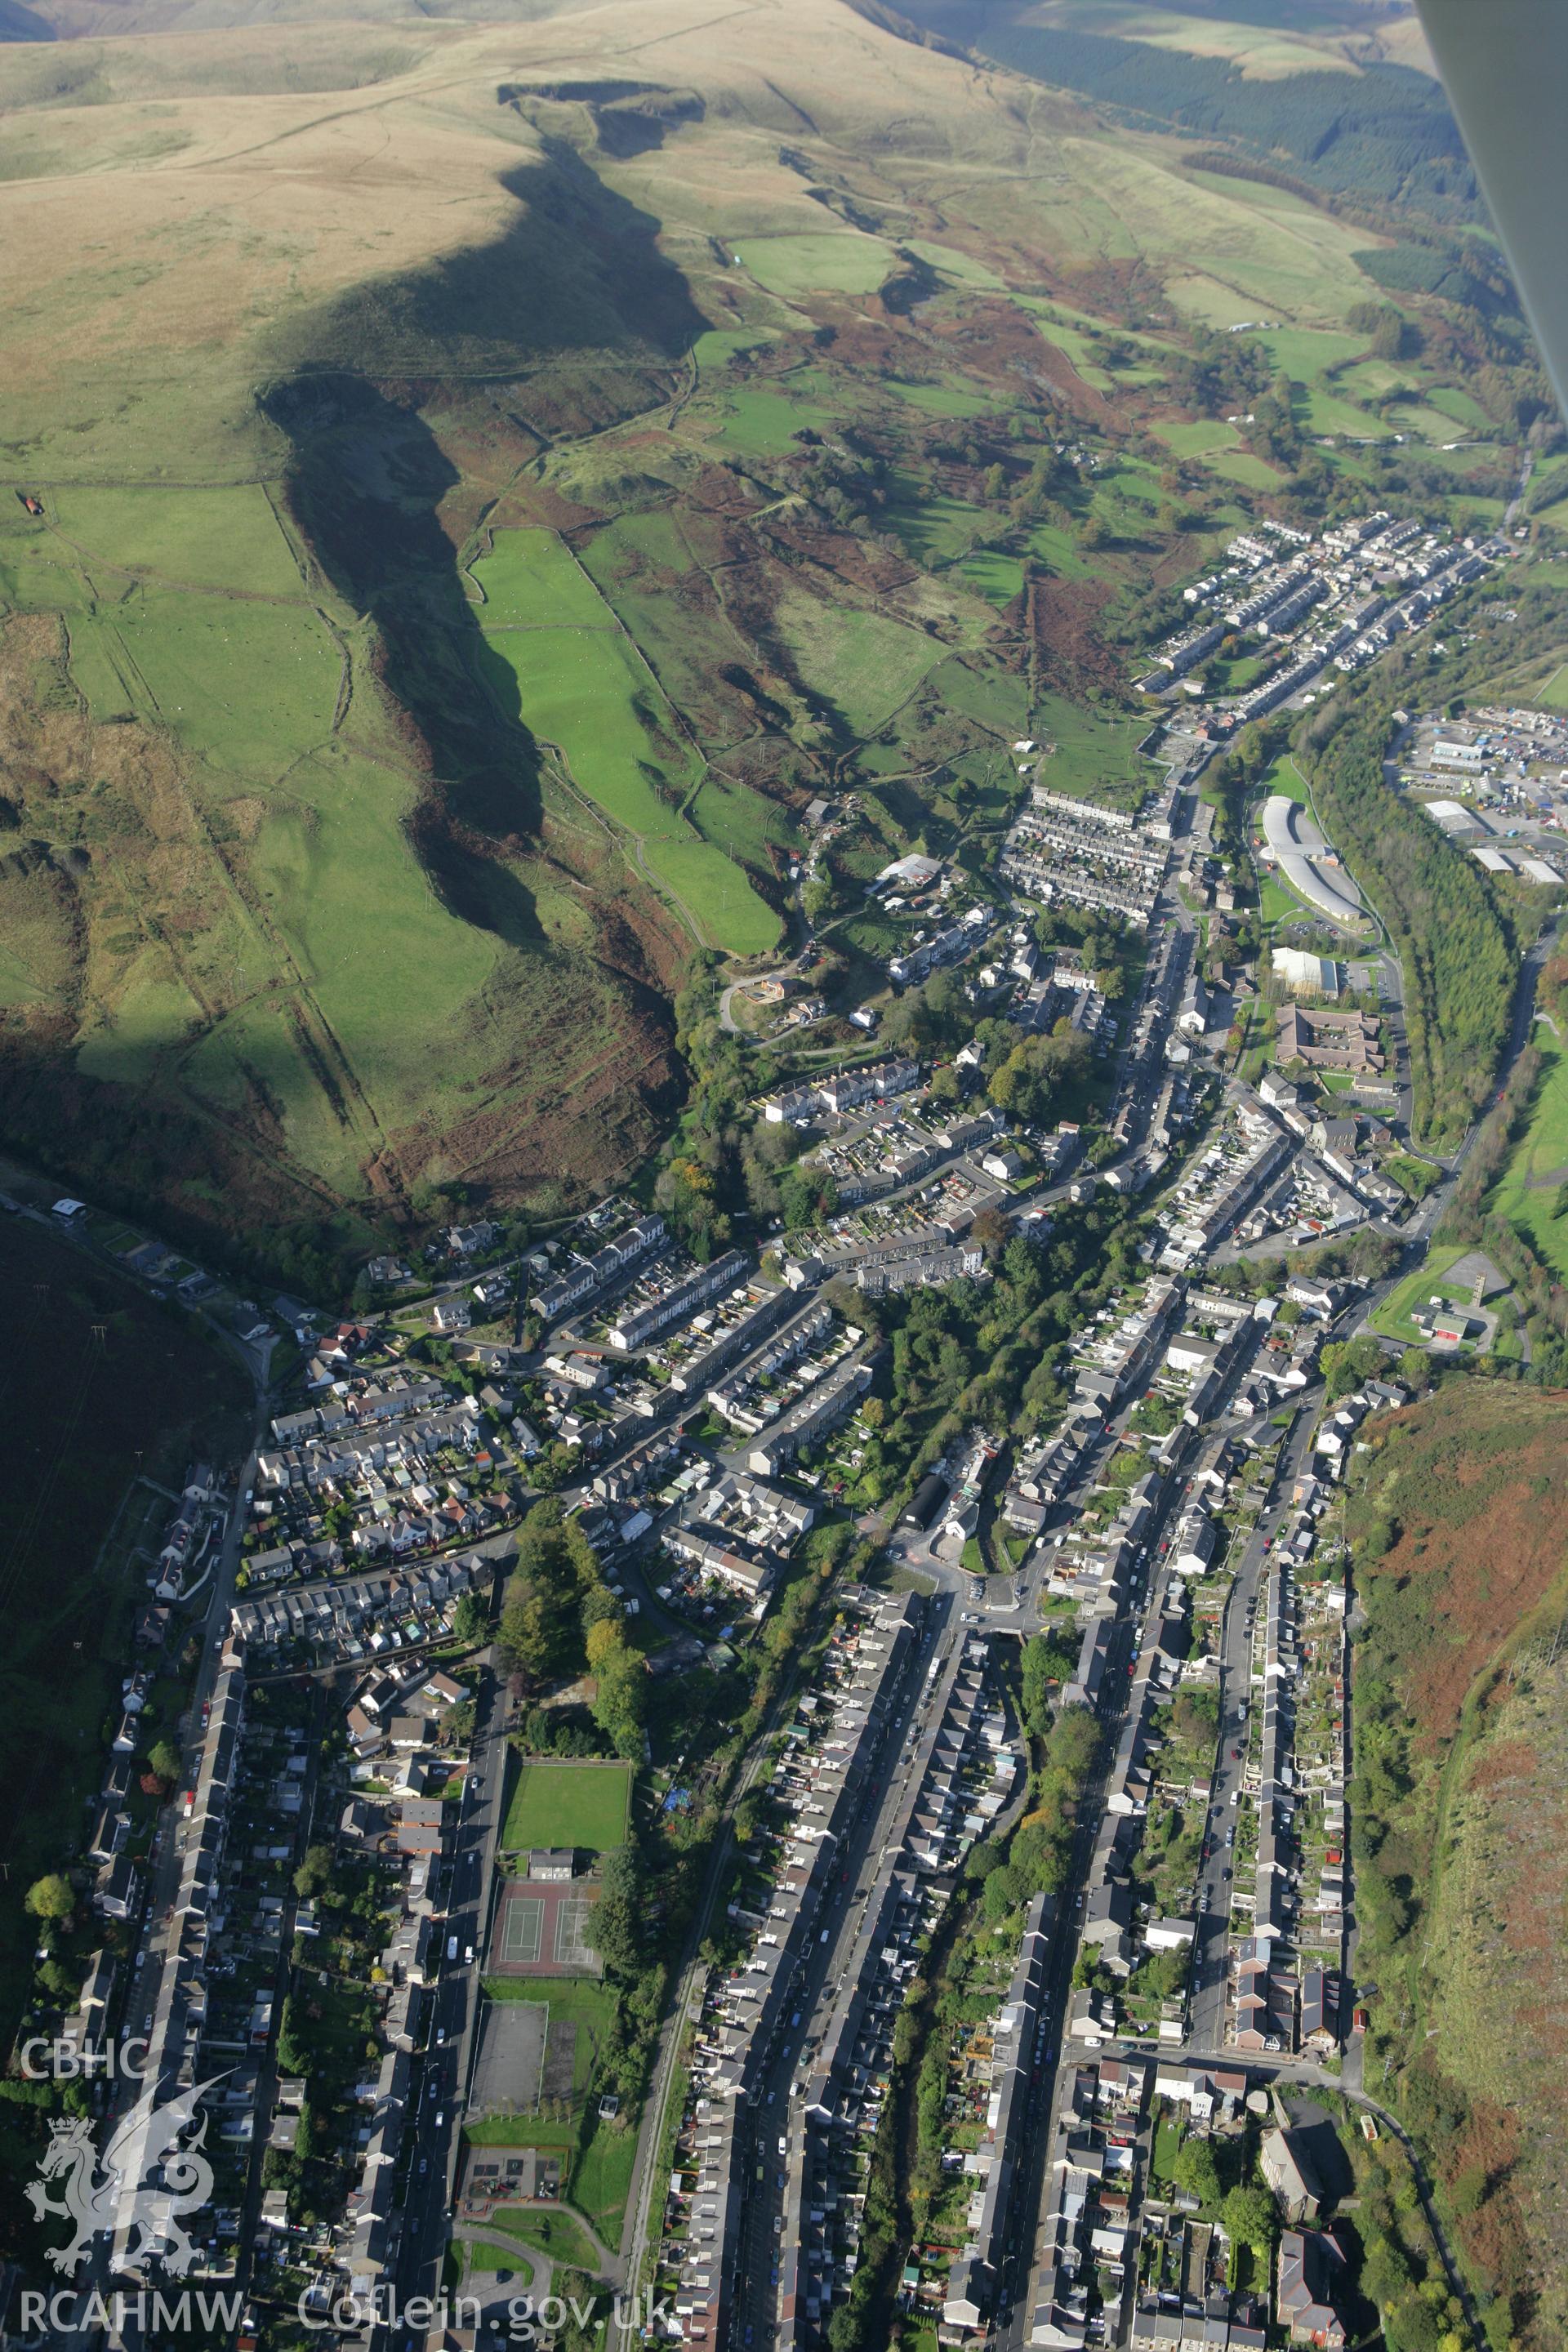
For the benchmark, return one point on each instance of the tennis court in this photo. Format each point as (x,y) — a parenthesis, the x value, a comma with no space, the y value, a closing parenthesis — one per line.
(522,1930)
(539,1930)
(571,1919)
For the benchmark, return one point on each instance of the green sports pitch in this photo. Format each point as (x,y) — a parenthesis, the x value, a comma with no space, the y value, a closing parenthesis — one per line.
(586,1804)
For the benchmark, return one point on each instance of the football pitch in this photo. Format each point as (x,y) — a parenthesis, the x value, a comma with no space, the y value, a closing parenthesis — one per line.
(586,1805)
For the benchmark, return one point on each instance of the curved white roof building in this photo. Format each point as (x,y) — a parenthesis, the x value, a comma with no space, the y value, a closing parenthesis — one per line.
(1299,849)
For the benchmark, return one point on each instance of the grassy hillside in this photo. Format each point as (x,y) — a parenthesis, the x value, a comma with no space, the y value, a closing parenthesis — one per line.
(1460,1819)
(493,475)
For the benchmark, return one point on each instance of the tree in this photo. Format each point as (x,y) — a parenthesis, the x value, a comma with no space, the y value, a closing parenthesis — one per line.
(63,1983)
(1195,2169)
(1347,1362)
(1074,1741)
(991,1231)
(1251,2217)
(599,1607)
(1046,1660)
(1195,1714)
(539,1621)
(614,1928)
(1004,1891)
(314,1873)
(556,1466)
(685,1194)
(164,1763)
(846,2330)
(620,1702)
(51,1897)
(1162,1974)
(471,1619)
(293,2058)
(605,1636)
(803,1196)
(751,1817)
(1386,2275)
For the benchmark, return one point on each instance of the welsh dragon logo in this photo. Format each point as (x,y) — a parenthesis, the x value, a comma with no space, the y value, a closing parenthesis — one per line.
(147,2177)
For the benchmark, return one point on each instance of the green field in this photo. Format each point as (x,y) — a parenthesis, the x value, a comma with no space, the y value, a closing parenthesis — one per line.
(997,577)
(1078,347)
(1458,405)
(1193,440)
(247,689)
(99,667)
(1092,755)
(554,649)
(1058,550)
(715,350)
(601,2178)
(260,943)
(1427,423)
(1241,466)
(932,527)
(215,537)
(1530,1192)
(939,400)
(950,263)
(1285,780)
(862,663)
(366,925)
(1393,1317)
(586,1805)
(530,580)
(994,698)
(558,2234)
(757,420)
(484,2261)
(1302,353)
(1319,410)
(843,263)
(1277,903)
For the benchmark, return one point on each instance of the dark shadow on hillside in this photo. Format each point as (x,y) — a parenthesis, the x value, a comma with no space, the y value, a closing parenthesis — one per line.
(576,276)
(575,317)
(629,118)
(367,482)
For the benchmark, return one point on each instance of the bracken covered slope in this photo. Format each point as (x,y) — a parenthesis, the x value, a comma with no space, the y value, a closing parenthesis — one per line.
(1461,1820)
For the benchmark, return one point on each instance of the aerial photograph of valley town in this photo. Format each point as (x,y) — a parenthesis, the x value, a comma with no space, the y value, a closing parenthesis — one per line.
(783,1175)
